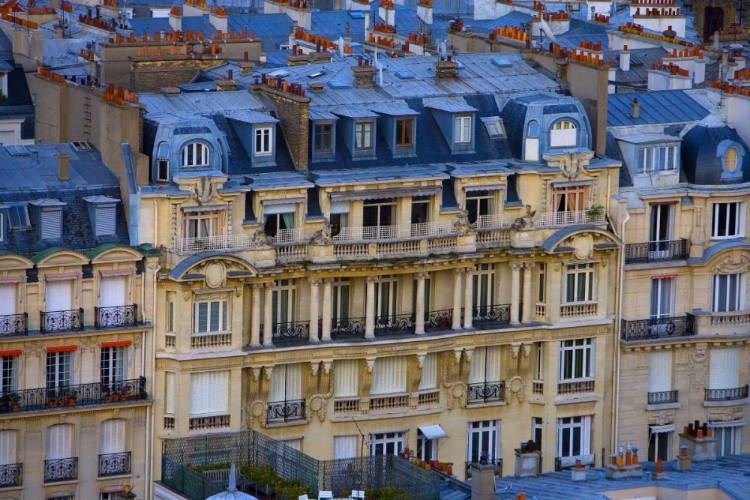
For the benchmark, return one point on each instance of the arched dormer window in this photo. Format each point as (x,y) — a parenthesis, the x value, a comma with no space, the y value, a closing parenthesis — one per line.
(731,158)
(531,151)
(162,163)
(563,134)
(195,154)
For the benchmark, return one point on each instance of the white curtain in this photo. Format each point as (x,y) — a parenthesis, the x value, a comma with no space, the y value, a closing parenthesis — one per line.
(345,446)
(429,372)
(724,368)
(60,441)
(58,295)
(389,375)
(7,298)
(295,444)
(660,371)
(112,291)
(113,436)
(209,393)
(485,365)
(170,383)
(346,378)
(8,447)
(286,383)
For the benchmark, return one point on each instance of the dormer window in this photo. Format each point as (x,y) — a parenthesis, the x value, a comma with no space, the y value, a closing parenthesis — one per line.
(162,163)
(103,214)
(730,159)
(462,130)
(50,218)
(363,135)
(18,215)
(404,132)
(263,137)
(657,158)
(323,138)
(531,151)
(563,134)
(195,154)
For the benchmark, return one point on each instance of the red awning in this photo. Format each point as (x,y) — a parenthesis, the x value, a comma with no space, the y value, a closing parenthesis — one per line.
(62,348)
(117,343)
(12,352)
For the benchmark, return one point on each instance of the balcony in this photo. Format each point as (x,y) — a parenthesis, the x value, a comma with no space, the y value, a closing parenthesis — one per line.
(487,316)
(285,411)
(732,394)
(11,475)
(374,233)
(393,325)
(207,423)
(115,316)
(74,396)
(114,464)
(578,310)
(14,324)
(209,340)
(292,332)
(563,219)
(585,386)
(663,397)
(656,251)
(347,329)
(657,328)
(485,392)
(63,469)
(389,402)
(61,321)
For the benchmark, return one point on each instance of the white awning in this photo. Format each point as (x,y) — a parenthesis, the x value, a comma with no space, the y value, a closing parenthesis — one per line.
(657,429)
(433,432)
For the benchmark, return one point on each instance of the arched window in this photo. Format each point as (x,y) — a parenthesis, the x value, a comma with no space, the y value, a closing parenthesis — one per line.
(162,163)
(195,154)
(731,159)
(532,142)
(563,133)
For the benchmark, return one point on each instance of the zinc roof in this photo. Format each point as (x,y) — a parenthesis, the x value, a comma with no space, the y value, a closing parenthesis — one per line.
(665,106)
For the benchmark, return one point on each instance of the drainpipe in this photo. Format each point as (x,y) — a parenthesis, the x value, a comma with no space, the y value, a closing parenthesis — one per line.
(156,230)
(149,489)
(618,332)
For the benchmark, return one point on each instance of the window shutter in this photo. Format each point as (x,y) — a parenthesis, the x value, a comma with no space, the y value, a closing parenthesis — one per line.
(58,295)
(209,393)
(51,224)
(293,382)
(346,378)
(201,317)
(389,375)
(113,436)
(59,441)
(295,444)
(105,220)
(277,391)
(344,447)
(8,447)
(170,383)
(724,365)
(112,291)
(477,370)
(429,372)
(660,371)
(7,298)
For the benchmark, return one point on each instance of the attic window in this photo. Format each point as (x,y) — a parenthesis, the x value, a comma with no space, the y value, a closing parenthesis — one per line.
(195,154)
(103,214)
(495,127)
(51,223)
(19,216)
(81,145)
(730,159)
(162,163)
(17,150)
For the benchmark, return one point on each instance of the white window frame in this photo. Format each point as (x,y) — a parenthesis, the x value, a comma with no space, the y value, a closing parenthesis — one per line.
(195,154)
(572,198)
(483,284)
(488,440)
(483,204)
(729,229)
(223,310)
(394,440)
(263,141)
(728,437)
(341,295)
(203,224)
(657,158)
(427,449)
(284,297)
(585,272)
(662,300)
(657,448)
(51,227)
(733,287)
(363,132)
(564,133)
(539,367)
(462,129)
(581,351)
(113,364)
(386,288)
(214,402)
(583,423)
(162,159)
(9,374)
(59,369)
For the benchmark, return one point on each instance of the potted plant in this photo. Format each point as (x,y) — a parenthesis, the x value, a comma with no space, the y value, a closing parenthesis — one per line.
(15,401)
(72,397)
(595,212)
(52,399)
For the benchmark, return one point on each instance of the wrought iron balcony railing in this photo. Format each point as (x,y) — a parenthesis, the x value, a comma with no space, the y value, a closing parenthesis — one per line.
(61,321)
(438,320)
(496,313)
(485,392)
(285,411)
(74,395)
(14,324)
(350,328)
(63,469)
(114,464)
(656,251)
(655,328)
(115,316)
(288,333)
(11,475)
(663,397)
(397,323)
(731,394)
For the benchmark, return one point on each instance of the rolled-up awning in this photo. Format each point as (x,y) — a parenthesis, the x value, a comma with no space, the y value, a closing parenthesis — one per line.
(433,432)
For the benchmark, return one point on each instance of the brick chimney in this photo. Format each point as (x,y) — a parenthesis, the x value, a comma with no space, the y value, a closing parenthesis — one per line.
(63,167)
(446,68)
(364,74)
(482,481)
(625,59)
(635,109)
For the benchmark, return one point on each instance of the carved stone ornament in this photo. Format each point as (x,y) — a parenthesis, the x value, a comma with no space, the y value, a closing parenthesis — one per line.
(726,414)
(662,417)
(698,373)
(323,236)
(204,192)
(583,246)
(516,389)
(456,391)
(729,266)
(570,167)
(526,221)
(215,274)
(261,240)
(319,402)
(462,225)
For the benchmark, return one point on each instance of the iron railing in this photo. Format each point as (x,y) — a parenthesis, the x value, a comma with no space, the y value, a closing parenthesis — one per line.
(115,316)
(656,251)
(485,392)
(14,324)
(114,464)
(285,411)
(731,394)
(438,320)
(496,313)
(663,397)
(288,333)
(350,328)
(397,323)
(63,469)
(654,328)
(11,475)
(61,321)
(74,395)
(497,462)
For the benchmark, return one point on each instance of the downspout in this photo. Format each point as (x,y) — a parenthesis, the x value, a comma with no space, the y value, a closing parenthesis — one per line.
(618,332)
(156,229)
(149,490)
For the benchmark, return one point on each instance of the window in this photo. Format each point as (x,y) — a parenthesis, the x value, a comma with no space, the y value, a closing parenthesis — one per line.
(58,295)
(724,368)
(728,438)
(577,359)
(484,375)
(209,393)
(387,443)
(573,436)
(389,376)
(202,224)
(731,159)
(9,366)
(729,292)
(379,215)
(426,448)
(483,439)
(541,288)
(210,316)
(563,133)
(462,130)
(660,371)
(480,205)
(385,298)
(113,365)
(60,442)
(727,220)
(112,291)
(363,135)
(59,369)
(661,222)
(341,294)
(420,210)
(170,316)
(429,380)
(284,302)
(345,446)
(571,198)
(2,225)
(483,293)
(51,224)
(286,383)
(113,439)
(346,379)
(537,426)
(7,300)
(263,141)
(8,440)
(170,392)
(162,163)
(661,158)
(539,367)
(662,298)
(324,138)
(195,154)
(404,132)
(495,127)
(19,216)
(105,220)
(579,283)
(531,151)
(339,216)
(275,223)
(660,442)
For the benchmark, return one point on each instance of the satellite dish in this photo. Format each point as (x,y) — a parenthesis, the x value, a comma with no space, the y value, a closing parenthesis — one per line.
(442,49)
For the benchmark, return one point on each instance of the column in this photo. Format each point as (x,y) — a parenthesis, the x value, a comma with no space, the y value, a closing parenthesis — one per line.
(468,296)
(370,310)
(314,308)
(268,316)
(419,313)
(526,313)
(327,309)
(515,291)
(457,273)
(255,316)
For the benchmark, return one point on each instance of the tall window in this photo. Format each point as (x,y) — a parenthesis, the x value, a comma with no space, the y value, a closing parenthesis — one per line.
(537,426)
(420,210)
(387,443)
(59,369)
(379,213)
(113,364)
(577,359)
(659,443)
(462,130)
(563,134)
(579,283)
(8,440)
(284,301)
(363,135)
(341,294)
(210,316)
(728,439)
(724,368)
(162,163)
(60,441)
(427,298)
(661,222)
(661,158)
(541,287)
(484,374)
(727,220)
(404,132)
(660,372)
(278,222)
(112,291)
(729,292)
(286,383)
(662,297)
(480,203)
(426,448)
(573,436)
(113,438)
(483,439)
(202,224)
(339,216)
(389,376)
(531,151)
(209,394)
(571,198)
(324,138)
(483,283)
(346,380)
(9,366)
(195,154)
(539,367)
(263,140)
(385,298)
(58,295)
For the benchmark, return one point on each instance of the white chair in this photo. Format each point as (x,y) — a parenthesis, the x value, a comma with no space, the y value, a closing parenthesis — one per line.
(303,497)
(358,495)
(325,495)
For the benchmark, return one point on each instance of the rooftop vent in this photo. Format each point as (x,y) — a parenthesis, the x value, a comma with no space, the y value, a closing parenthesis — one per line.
(501,62)
(81,145)
(405,75)
(338,84)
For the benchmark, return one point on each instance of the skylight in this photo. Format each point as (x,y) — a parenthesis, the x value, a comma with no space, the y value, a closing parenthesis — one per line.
(495,127)
(17,150)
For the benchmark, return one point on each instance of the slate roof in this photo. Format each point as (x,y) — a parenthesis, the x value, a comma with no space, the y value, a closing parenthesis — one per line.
(665,106)
(700,161)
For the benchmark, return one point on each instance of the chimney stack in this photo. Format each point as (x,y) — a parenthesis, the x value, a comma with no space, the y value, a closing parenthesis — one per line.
(635,109)
(625,59)
(63,167)
(364,74)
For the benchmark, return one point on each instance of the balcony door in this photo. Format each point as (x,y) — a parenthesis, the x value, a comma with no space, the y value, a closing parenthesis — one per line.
(112,291)
(7,299)
(60,441)
(58,296)
(662,306)
(385,298)
(113,436)
(660,232)
(7,450)
(284,298)
(114,365)
(285,393)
